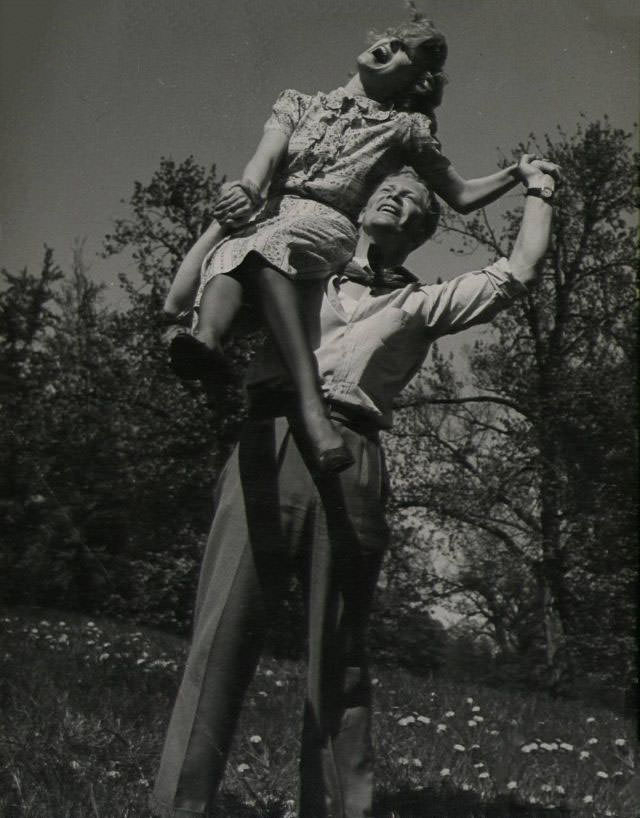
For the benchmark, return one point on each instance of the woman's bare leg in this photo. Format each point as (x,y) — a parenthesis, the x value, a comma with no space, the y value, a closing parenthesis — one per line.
(221,300)
(278,300)
(200,356)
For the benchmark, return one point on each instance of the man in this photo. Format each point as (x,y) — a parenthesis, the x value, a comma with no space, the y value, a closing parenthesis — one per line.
(274,514)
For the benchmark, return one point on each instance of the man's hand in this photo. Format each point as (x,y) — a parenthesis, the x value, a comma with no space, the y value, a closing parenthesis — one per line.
(234,207)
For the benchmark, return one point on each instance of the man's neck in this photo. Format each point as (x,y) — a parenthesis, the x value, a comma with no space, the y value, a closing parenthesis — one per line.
(379,257)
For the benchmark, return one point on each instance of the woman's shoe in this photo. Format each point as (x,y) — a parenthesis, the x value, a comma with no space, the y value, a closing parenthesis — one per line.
(334,460)
(327,446)
(192,360)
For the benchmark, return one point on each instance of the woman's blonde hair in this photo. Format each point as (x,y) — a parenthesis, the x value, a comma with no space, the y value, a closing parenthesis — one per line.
(428,49)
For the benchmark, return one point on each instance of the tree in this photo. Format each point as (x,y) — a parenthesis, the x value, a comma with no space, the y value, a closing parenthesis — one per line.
(531,463)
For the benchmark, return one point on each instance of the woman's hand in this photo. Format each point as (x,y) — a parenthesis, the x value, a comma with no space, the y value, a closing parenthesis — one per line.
(533,170)
(234,207)
(529,161)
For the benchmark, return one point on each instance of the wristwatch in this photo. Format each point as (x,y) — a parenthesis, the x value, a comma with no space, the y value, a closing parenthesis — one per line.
(544,193)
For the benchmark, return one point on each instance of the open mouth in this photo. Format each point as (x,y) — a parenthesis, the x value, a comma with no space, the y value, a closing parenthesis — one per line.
(381,54)
(389,207)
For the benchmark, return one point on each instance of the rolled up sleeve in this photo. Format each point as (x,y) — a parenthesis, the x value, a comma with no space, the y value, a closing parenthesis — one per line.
(469,299)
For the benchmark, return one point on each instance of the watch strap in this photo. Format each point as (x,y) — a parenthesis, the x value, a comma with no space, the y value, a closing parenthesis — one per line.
(544,193)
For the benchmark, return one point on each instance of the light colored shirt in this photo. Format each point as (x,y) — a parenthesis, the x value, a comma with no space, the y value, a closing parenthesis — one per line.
(368,352)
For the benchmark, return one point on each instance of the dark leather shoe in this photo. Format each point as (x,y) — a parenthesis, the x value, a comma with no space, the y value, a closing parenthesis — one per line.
(192,360)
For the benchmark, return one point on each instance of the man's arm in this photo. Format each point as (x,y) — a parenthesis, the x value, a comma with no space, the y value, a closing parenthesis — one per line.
(535,228)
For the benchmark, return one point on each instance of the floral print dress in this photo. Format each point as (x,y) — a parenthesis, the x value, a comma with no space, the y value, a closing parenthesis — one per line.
(340,147)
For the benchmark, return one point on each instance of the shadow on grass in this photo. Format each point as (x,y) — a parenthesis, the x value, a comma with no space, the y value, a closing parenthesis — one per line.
(452,803)
(229,805)
(407,803)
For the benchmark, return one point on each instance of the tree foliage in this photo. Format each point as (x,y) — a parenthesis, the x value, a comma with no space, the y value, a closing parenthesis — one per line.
(529,464)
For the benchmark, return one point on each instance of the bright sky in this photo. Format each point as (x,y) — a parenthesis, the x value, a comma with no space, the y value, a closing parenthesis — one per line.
(94,92)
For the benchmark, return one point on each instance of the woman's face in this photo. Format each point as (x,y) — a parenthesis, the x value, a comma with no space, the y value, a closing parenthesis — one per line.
(386,69)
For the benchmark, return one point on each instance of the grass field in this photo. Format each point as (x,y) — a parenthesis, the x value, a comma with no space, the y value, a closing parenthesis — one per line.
(84,704)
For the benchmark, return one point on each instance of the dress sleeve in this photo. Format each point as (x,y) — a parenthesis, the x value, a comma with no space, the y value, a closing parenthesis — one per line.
(424,151)
(469,299)
(287,111)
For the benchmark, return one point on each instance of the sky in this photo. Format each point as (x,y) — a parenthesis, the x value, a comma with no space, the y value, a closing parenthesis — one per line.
(94,92)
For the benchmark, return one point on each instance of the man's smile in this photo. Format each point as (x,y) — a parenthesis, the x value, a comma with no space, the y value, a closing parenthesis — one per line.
(389,206)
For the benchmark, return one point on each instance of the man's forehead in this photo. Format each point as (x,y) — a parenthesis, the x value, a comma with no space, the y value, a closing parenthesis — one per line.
(403,180)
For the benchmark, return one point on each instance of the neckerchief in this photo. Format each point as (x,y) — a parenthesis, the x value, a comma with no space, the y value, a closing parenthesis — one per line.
(392,278)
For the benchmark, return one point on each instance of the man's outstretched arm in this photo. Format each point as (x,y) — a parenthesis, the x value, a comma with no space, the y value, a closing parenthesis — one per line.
(535,229)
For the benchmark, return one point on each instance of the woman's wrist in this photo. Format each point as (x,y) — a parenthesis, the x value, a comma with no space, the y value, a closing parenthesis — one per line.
(251,189)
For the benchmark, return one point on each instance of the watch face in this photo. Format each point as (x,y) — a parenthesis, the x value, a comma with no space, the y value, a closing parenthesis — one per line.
(546,192)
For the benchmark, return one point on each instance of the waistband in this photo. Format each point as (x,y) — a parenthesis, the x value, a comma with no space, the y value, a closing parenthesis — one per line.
(270,403)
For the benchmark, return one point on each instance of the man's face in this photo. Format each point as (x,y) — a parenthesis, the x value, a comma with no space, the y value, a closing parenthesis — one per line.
(396,209)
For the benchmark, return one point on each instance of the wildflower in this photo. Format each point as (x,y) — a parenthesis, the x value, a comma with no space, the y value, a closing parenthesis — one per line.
(63,639)
(620,742)
(474,747)
(417,763)
(441,728)
(472,723)
(475,709)
(103,657)
(268,673)
(602,774)
(479,718)
(255,739)
(466,787)
(375,682)
(512,785)
(449,714)
(75,765)
(584,754)
(484,775)
(112,774)
(445,771)
(560,789)
(424,719)
(406,720)
(143,782)
(494,732)
(459,747)
(479,765)
(566,746)
(279,683)
(592,740)
(533,799)
(549,746)
(616,774)
(469,700)
(590,720)
(403,761)
(242,768)
(588,799)
(90,624)
(546,788)
(262,693)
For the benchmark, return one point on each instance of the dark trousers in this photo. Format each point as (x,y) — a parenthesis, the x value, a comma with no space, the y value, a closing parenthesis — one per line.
(271,514)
